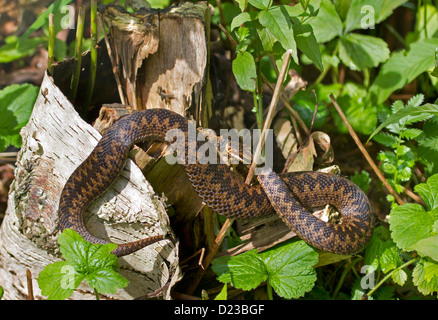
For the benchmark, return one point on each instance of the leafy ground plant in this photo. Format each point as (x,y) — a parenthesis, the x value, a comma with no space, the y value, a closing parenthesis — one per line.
(93,263)
(288,269)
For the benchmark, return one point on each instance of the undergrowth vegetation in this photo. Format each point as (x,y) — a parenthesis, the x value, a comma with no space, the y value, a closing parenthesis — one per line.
(385,81)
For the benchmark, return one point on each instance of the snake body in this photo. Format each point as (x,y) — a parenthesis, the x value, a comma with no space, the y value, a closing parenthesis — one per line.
(290,196)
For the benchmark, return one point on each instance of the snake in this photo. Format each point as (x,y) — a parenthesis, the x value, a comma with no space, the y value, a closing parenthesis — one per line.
(292,196)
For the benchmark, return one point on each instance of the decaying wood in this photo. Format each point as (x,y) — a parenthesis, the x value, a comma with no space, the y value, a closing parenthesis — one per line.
(55,141)
(160,56)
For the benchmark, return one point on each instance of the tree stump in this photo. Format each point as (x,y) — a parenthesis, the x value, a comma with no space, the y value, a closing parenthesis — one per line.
(170,73)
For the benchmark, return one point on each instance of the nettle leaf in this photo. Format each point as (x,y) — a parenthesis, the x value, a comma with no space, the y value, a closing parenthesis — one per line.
(277,21)
(411,133)
(290,269)
(244,70)
(410,223)
(359,52)
(16,103)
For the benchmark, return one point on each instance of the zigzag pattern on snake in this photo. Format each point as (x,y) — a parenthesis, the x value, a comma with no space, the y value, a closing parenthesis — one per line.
(290,196)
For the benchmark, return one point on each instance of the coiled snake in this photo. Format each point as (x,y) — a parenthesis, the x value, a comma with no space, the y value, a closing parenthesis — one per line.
(290,196)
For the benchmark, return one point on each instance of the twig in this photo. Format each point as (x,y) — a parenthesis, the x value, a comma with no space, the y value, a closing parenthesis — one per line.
(365,152)
(292,158)
(29,285)
(224,30)
(113,62)
(270,115)
(217,243)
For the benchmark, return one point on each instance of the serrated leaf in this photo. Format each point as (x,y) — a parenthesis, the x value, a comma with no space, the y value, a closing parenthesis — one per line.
(411,133)
(58,280)
(362,180)
(424,276)
(244,271)
(106,280)
(386,139)
(359,52)
(290,269)
(426,110)
(429,191)
(410,223)
(427,247)
(399,276)
(83,261)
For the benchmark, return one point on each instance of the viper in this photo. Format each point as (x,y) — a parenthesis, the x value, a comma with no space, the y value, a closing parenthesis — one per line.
(291,196)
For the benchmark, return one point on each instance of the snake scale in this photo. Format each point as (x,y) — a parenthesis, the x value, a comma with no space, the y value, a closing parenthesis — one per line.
(290,196)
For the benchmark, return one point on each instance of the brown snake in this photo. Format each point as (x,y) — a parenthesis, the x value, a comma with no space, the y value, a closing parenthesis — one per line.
(291,195)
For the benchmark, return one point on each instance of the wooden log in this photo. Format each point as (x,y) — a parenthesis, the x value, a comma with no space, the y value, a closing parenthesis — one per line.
(55,141)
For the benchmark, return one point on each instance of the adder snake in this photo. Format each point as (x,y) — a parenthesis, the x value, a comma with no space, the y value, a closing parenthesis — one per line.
(290,196)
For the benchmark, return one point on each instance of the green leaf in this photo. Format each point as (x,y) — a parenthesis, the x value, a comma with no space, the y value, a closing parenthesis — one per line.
(425,277)
(242,18)
(106,280)
(327,25)
(306,42)
(244,271)
(1,292)
(386,139)
(359,52)
(58,280)
(261,4)
(16,103)
(410,223)
(429,191)
(44,18)
(426,110)
(13,50)
(362,180)
(277,21)
(362,117)
(399,276)
(244,70)
(223,294)
(290,269)
(363,14)
(427,247)
(402,68)
(83,261)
